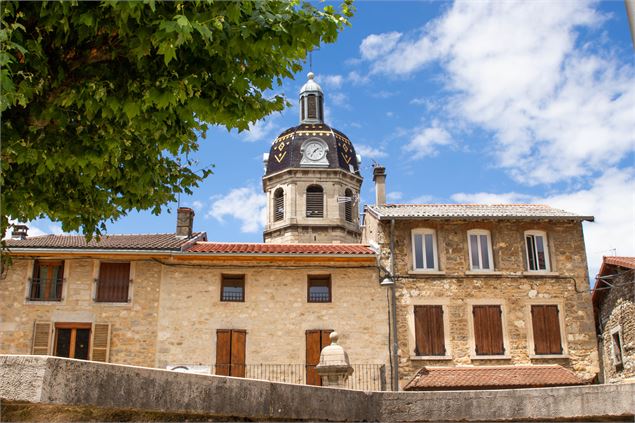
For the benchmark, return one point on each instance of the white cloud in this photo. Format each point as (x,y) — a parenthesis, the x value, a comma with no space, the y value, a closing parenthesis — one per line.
(245,204)
(358,79)
(557,111)
(55,229)
(376,45)
(331,81)
(197,205)
(368,152)
(338,98)
(261,130)
(611,199)
(422,199)
(394,196)
(425,141)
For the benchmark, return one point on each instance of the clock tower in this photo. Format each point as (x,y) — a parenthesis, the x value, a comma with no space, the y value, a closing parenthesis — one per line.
(312,179)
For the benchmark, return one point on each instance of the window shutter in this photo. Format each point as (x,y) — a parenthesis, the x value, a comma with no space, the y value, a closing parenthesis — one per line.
(223,352)
(546,329)
(114,281)
(488,330)
(41,338)
(238,338)
(100,350)
(429,333)
(315,341)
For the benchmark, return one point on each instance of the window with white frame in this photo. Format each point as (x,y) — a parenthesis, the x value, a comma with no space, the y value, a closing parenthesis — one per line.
(537,251)
(424,250)
(480,247)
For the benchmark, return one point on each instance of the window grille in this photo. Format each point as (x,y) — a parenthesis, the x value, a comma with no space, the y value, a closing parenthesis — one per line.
(233,288)
(319,289)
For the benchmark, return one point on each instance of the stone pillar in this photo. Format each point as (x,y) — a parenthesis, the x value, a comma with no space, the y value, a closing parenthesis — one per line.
(334,367)
(379,177)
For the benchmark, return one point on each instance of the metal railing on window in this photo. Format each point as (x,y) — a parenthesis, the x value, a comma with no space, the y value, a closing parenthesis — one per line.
(233,296)
(365,377)
(42,289)
(319,297)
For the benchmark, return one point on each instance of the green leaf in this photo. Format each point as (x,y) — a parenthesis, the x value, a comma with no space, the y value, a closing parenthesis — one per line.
(131,108)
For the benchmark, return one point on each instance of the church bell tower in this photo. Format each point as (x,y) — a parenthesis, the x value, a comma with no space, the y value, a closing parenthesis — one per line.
(312,179)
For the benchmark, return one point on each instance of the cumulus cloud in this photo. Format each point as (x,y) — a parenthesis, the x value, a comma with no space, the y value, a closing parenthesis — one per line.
(261,130)
(491,198)
(331,81)
(376,45)
(246,204)
(368,152)
(394,196)
(557,110)
(425,141)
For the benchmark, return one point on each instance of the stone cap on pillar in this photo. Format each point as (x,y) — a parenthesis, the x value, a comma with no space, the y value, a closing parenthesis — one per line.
(334,362)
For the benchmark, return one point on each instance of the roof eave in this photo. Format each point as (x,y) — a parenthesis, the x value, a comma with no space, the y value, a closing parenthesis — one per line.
(558,218)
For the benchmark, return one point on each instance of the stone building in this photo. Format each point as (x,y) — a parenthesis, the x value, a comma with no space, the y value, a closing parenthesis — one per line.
(484,285)
(614,303)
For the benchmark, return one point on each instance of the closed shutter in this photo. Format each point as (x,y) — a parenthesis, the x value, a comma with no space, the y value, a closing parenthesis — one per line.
(429,332)
(238,353)
(114,280)
(546,329)
(223,352)
(488,330)
(41,338)
(316,340)
(100,343)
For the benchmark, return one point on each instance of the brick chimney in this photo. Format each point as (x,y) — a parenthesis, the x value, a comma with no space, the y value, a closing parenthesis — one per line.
(379,177)
(19,232)
(184,222)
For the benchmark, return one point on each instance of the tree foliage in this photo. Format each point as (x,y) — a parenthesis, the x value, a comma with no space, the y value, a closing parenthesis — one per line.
(102,102)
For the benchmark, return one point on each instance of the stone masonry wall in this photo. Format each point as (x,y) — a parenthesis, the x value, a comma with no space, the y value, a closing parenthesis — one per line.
(510,285)
(617,313)
(134,324)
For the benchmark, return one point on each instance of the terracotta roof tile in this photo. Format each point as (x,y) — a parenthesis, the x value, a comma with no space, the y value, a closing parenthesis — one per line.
(109,242)
(491,377)
(471,211)
(260,248)
(601,284)
(628,262)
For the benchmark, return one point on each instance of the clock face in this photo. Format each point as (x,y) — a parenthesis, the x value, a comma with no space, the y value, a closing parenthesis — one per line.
(314,151)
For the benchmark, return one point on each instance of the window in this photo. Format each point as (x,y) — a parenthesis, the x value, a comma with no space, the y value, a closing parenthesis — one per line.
(278,205)
(312,106)
(230,352)
(314,201)
(545,322)
(113,282)
(47,281)
(424,249)
(316,340)
(537,251)
(488,330)
(616,347)
(480,248)
(429,332)
(348,205)
(319,289)
(73,340)
(232,288)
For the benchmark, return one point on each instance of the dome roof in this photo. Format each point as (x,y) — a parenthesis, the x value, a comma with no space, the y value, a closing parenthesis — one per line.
(310,85)
(287,150)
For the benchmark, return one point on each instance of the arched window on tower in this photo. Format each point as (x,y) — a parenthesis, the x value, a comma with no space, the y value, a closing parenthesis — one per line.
(311,106)
(314,201)
(348,205)
(278,205)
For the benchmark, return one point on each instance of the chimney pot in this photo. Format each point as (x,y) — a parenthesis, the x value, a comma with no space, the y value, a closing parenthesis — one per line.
(19,232)
(184,222)
(379,177)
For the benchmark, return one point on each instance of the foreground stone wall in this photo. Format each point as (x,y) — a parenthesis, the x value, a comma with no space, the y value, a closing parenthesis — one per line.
(49,380)
(510,285)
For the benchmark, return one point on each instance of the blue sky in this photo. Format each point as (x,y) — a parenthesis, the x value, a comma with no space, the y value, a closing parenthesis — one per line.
(468,102)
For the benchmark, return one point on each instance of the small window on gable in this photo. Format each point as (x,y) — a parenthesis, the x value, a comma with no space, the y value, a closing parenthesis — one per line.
(314,201)
(537,251)
(480,248)
(424,250)
(113,282)
(616,348)
(278,205)
(348,205)
(233,288)
(319,289)
(47,281)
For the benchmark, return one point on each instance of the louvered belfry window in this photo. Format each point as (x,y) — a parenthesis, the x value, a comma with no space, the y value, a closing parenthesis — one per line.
(311,106)
(278,205)
(314,201)
(348,206)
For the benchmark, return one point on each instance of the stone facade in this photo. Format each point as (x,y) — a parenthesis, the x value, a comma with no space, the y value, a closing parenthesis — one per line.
(616,318)
(509,284)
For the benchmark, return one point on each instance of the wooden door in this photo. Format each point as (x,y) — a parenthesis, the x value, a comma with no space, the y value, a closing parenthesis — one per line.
(230,352)
(316,340)
(72,340)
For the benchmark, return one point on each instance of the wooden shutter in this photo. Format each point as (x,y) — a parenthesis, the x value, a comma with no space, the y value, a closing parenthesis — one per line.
(223,352)
(546,328)
(488,330)
(100,342)
(41,338)
(316,340)
(237,367)
(430,339)
(114,280)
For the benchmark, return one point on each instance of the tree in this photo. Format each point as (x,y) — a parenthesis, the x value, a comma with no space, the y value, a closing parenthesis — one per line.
(103,102)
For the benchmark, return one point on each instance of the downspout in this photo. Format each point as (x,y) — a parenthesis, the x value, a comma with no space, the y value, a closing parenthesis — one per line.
(393,306)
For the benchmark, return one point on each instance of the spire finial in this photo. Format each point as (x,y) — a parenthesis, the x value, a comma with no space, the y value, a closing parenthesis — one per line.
(310,75)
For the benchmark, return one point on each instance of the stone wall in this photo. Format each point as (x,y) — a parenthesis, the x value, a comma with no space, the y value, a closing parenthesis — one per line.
(510,284)
(617,313)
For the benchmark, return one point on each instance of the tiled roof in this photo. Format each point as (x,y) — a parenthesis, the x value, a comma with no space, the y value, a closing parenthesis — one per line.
(471,211)
(169,242)
(259,248)
(628,262)
(491,377)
